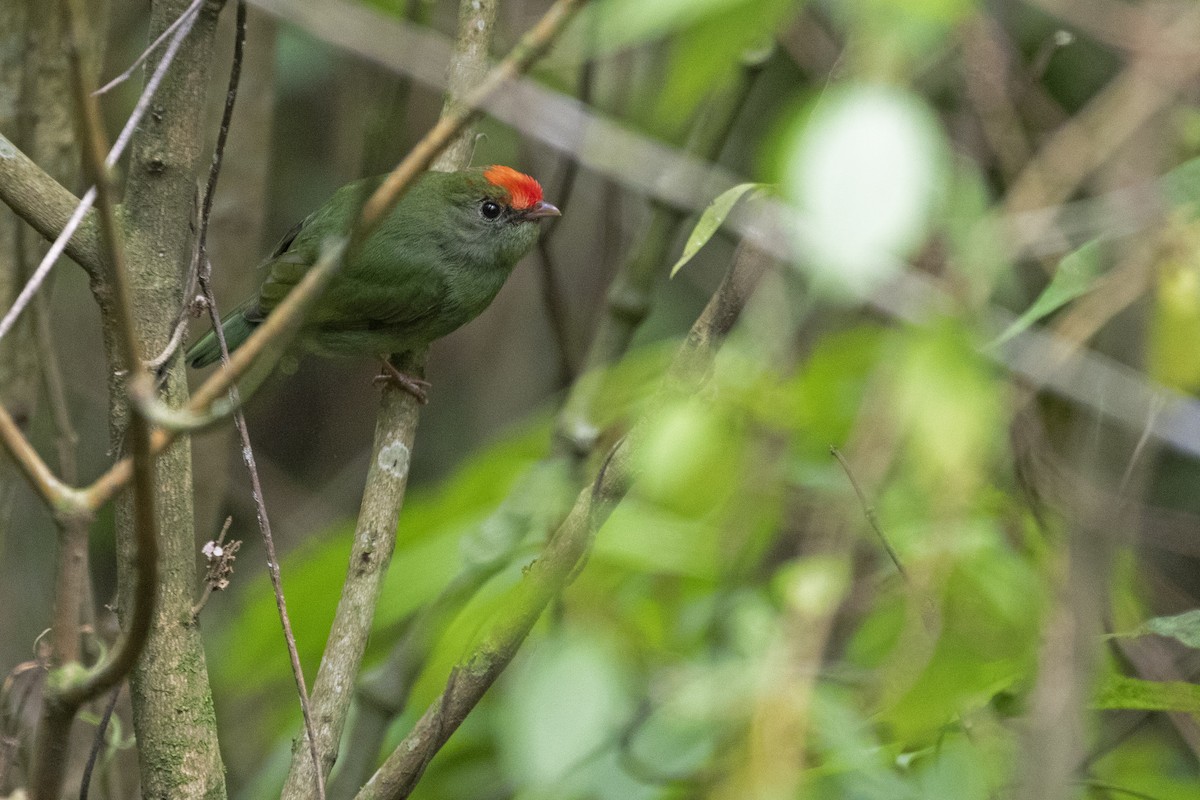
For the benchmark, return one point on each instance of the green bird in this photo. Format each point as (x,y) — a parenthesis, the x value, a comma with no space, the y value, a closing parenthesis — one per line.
(433,264)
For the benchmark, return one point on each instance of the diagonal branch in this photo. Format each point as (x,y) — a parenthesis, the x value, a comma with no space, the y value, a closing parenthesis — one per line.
(46,205)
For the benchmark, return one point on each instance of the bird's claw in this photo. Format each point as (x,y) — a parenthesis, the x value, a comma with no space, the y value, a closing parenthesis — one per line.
(413,385)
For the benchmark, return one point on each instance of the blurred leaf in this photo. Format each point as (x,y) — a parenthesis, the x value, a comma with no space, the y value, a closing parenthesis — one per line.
(1183,628)
(987,639)
(1175,318)
(959,770)
(563,700)
(681,545)
(827,392)
(711,220)
(1180,187)
(690,456)
(1074,277)
(854,763)
(1149,761)
(866,169)
(948,404)
(901,36)
(1121,692)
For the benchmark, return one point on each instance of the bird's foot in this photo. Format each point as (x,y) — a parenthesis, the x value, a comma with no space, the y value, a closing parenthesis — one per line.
(413,385)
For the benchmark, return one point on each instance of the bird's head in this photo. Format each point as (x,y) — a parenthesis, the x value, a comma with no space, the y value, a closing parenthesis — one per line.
(494,212)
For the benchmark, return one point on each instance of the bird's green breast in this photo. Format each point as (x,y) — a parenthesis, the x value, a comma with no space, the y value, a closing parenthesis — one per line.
(431,266)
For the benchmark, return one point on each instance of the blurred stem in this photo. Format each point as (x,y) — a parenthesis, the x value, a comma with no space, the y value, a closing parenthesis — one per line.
(556,565)
(630,297)
(33,74)
(552,294)
(382,693)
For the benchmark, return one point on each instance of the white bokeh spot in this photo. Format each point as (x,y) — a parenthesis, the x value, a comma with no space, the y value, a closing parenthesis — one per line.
(864,172)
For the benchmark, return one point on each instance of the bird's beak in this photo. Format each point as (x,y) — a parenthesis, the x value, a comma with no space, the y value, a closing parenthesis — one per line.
(541,209)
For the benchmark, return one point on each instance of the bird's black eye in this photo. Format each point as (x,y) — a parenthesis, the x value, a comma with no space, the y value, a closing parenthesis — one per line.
(489,209)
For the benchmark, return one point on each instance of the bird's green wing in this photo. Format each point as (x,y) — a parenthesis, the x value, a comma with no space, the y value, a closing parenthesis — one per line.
(394,285)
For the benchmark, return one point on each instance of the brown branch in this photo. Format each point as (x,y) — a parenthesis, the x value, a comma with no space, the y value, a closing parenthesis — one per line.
(46,205)
(552,293)
(56,494)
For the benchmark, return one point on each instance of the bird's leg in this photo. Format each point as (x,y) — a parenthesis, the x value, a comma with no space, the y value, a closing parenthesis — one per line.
(414,386)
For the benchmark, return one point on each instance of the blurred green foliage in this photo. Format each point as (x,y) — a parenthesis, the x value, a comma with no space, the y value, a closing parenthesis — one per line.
(737,630)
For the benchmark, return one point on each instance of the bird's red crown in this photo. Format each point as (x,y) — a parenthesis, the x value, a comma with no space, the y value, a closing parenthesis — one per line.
(523,191)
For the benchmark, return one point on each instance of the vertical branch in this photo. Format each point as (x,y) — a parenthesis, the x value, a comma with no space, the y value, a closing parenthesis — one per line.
(387,477)
(172,703)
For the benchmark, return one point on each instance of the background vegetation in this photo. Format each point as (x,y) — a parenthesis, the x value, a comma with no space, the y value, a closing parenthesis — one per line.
(983,293)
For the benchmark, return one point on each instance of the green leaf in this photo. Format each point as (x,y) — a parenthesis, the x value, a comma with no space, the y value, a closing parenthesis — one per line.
(711,220)
(1119,691)
(1183,627)
(1075,276)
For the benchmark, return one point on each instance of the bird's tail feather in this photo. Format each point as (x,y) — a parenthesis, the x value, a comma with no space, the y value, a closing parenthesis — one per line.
(208,350)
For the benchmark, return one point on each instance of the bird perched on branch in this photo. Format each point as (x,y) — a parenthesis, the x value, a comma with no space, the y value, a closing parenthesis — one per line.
(430,266)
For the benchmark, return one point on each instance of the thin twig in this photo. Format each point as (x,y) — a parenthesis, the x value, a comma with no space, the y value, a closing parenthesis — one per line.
(56,393)
(60,242)
(239,419)
(56,494)
(1159,403)
(552,294)
(85,783)
(869,512)
(210,585)
(187,307)
(274,331)
(149,51)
